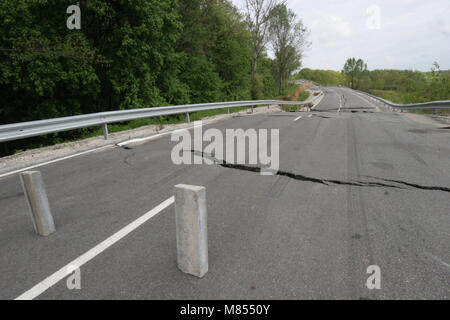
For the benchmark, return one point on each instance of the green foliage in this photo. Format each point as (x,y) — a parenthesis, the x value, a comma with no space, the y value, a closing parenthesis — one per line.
(216,47)
(303,96)
(323,77)
(356,72)
(288,39)
(406,86)
(128,54)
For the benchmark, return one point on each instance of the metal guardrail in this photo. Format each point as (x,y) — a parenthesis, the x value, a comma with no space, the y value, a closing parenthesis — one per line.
(23,130)
(434,105)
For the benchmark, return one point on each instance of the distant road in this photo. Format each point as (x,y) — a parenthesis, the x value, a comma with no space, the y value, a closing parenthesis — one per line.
(373,189)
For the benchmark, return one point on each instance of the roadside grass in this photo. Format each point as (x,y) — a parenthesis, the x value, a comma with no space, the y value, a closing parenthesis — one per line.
(405,98)
(304,96)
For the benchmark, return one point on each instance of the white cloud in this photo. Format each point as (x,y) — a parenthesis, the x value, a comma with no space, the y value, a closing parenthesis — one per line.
(412,35)
(328,30)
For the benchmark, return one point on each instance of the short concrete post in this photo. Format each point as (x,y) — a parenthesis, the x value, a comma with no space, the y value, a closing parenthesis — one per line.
(191,225)
(436,112)
(252,109)
(105,130)
(34,189)
(188,120)
(228,110)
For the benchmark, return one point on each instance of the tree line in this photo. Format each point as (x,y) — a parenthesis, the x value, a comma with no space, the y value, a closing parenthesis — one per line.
(401,86)
(135,54)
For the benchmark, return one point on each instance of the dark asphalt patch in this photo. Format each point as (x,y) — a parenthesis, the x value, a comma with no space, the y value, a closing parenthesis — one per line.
(125,147)
(356,236)
(324,117)
(418,130)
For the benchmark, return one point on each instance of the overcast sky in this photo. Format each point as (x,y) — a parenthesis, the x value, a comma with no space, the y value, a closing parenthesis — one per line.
(409,34)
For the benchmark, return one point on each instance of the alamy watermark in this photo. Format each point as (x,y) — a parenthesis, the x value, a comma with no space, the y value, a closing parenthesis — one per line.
(374,280)
(74,279)
(237,146)
(74,20)
(374,19)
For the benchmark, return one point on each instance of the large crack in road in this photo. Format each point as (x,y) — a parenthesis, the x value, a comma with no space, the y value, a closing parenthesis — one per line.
(326,182)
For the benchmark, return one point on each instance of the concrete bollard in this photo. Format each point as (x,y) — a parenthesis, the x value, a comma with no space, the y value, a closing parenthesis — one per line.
(191,225)
(34,190)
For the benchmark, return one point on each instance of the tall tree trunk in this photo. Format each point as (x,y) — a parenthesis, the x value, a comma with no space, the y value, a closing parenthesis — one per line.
(253,78)
(280,88)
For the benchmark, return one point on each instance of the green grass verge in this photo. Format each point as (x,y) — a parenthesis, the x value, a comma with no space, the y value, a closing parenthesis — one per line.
(405,98)
(303,96)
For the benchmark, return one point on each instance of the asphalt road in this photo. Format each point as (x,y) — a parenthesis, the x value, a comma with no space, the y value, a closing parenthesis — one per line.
(361,186)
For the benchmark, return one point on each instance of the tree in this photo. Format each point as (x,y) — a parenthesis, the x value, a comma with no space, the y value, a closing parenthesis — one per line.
(258,15)
(355,70)
(215,44)
(324,77)
(288,40)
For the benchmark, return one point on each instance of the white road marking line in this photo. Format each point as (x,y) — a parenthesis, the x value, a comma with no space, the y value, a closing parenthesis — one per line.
(298,118)
(92,253)
(310,116)
(156,135)
(53,161)
(340,104)
(96,149)
(104,147)
(438,260)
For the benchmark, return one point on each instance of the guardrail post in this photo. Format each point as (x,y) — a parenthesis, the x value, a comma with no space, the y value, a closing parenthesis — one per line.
(252,109)
(105,130)
(228,110)
(34,190)
(191,225)
(436,112)
(188,120)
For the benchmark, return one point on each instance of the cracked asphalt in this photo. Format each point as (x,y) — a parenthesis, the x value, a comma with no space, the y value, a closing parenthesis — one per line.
(356,187)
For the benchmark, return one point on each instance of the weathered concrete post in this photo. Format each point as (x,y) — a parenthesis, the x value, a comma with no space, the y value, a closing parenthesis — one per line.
(105,130)
(188,120)
(191,225)
(228,110)
(34,189)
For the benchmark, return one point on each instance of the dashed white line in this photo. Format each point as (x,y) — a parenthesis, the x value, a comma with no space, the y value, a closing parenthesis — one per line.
(92,253)
(298,118)
(310,116)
